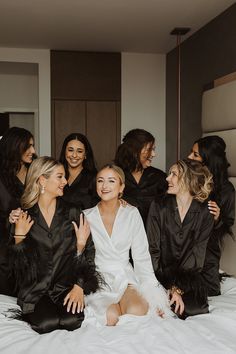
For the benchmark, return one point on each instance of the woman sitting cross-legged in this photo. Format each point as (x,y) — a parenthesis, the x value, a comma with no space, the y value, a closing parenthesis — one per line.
(51,277)
(178,227)
(117,228)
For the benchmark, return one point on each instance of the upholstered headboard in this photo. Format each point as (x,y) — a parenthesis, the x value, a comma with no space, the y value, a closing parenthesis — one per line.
(219,118)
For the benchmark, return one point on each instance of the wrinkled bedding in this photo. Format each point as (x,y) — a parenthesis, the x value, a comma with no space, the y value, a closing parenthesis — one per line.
(210,333)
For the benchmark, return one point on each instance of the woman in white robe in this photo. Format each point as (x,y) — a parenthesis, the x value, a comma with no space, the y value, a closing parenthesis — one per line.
(117,228)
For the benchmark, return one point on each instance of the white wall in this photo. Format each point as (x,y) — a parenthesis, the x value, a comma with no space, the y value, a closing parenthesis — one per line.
(42,58)
(19,85)
(143,98)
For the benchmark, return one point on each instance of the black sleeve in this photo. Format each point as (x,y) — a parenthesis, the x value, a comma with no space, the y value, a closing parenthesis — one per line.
(227,215)
(87,276)
(23,259)
(154,234)
(162,185)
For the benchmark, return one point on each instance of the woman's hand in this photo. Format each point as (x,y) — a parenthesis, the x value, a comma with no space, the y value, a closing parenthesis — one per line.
(160,313)
(214,209)
(177,300)
(23,225)
(75,299)
(14,215)
(82,232)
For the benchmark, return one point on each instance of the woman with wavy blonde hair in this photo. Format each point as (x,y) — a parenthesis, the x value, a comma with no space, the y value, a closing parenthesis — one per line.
(178,227)
(51,276)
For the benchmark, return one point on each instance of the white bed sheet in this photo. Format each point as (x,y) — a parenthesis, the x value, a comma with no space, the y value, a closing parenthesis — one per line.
(211,333)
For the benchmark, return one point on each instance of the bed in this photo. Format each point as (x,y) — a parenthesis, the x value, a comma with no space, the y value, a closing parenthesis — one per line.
(210,333)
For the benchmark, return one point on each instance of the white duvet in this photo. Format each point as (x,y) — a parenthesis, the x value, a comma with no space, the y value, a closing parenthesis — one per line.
(205,334)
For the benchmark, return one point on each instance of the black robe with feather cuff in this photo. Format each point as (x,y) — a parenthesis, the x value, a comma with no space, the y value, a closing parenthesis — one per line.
(46,261)
(178,249)
(221,230)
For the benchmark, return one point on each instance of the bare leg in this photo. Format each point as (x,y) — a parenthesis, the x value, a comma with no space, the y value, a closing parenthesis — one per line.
(133,303)
(113,313)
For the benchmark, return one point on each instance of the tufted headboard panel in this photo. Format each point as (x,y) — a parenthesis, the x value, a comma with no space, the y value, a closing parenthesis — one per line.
(219,118)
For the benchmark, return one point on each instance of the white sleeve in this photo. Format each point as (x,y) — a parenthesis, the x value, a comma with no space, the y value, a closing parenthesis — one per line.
(150,288)
(140,250)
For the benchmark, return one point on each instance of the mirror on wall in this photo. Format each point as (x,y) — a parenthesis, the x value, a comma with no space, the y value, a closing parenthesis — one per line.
(19,97)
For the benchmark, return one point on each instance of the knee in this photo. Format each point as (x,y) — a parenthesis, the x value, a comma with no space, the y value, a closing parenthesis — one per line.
(138,309)
(45,326)
(71,321)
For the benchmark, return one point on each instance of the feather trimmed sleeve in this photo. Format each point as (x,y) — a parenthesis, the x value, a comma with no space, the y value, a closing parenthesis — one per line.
(86,274)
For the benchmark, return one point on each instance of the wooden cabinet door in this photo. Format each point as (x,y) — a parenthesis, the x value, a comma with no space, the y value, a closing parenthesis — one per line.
(98,120)
(68,117)
(103,129)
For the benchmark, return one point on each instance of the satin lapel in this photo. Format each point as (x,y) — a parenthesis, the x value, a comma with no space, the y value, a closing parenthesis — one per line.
(174,211)
(192,213)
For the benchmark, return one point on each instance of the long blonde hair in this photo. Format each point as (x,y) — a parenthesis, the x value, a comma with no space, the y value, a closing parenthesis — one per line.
(196,178)
(42,166)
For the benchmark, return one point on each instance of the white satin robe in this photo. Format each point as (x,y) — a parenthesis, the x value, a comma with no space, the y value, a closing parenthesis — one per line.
(112,261)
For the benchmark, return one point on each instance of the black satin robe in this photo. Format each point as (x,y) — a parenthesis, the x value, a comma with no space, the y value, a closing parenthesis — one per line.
(221,229)
(46,262)
(178,249)
(82,192)
(151,185)
(8,202)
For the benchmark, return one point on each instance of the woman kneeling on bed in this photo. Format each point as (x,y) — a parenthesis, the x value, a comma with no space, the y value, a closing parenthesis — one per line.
(117,228)
(51,277)
(178,227)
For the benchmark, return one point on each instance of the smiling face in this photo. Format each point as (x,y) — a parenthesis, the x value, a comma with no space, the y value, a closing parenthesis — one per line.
(27,156)
(194,154)
(75,154)
(173,181)
(147,154)
(54,185)
(109,184)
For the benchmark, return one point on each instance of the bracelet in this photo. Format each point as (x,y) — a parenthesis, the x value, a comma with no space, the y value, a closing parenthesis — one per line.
(20,236)
(177,290)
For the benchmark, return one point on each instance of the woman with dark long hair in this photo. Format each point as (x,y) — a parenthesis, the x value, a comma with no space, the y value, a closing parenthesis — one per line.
(16,154)
(142,181)
(210,150)
(78,160)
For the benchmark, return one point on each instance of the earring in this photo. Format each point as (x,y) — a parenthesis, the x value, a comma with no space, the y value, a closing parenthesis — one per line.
(42,190)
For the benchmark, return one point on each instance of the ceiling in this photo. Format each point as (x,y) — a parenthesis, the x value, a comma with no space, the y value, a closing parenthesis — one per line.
(102,25)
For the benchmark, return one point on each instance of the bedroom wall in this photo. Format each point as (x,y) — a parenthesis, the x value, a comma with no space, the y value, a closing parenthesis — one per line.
(18,85)
(41,57)
(208,54)
(143,98)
